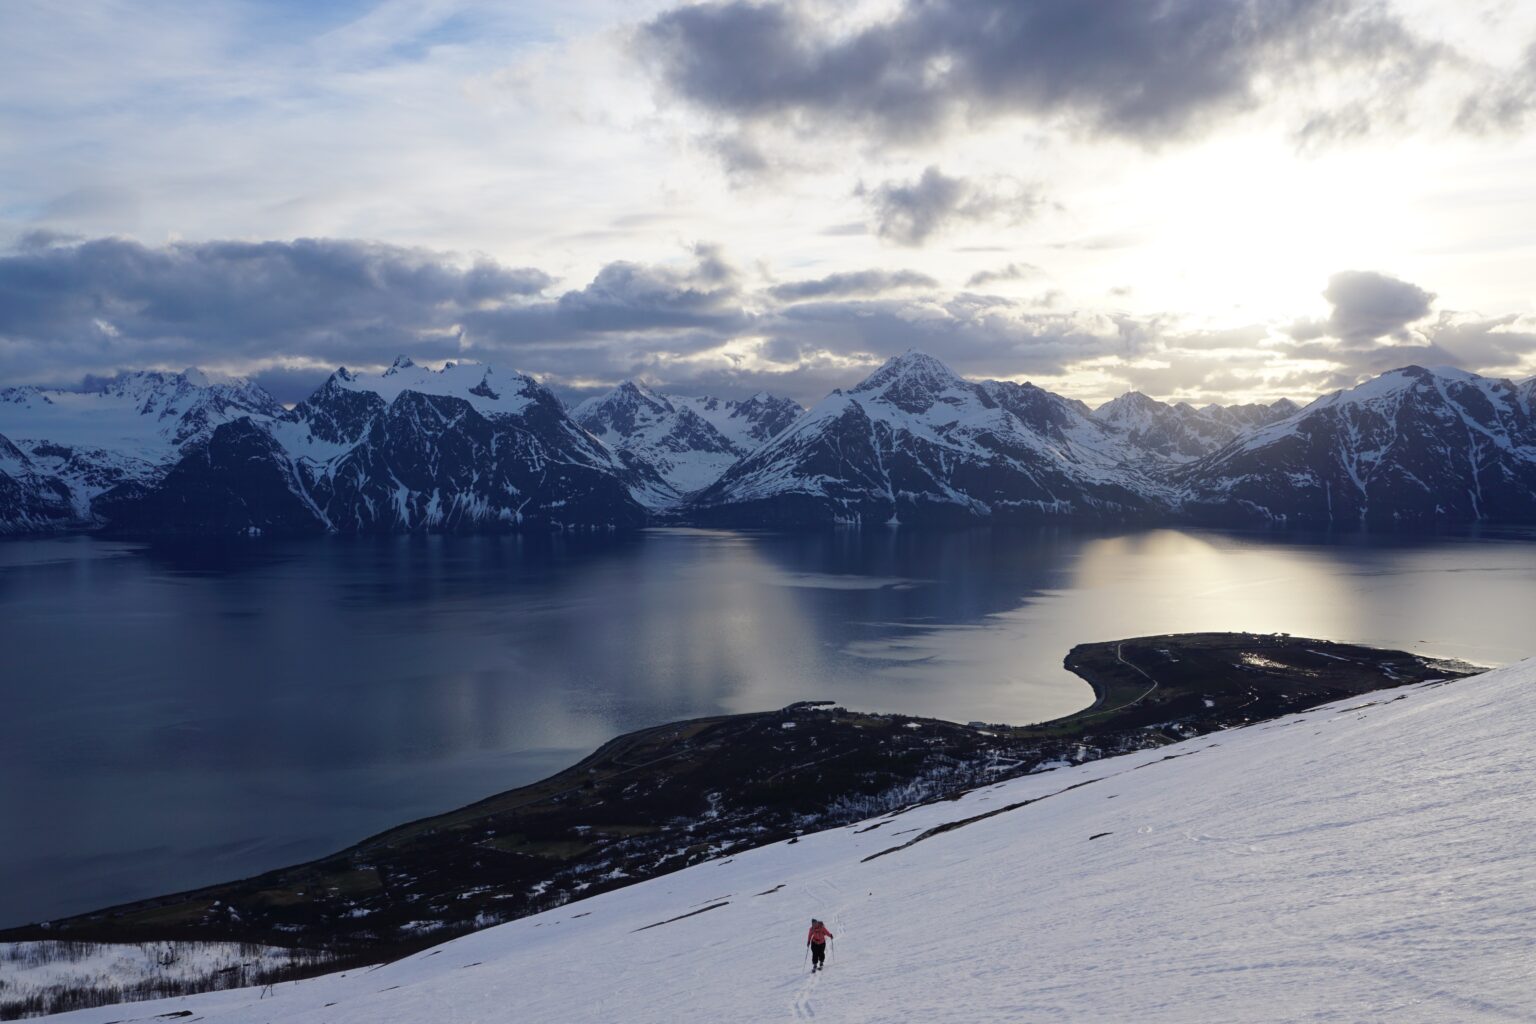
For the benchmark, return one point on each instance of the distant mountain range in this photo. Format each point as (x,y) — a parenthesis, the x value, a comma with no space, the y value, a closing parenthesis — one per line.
(467,448)
(679,445)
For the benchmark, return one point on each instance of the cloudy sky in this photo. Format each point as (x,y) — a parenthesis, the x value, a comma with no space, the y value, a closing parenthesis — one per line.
(1224,200)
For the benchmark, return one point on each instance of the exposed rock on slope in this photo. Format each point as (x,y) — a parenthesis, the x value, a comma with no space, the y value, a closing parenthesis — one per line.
(1412,446)
(1181,432)
(677,445)
(30,502)
(126,432)
(916,443)
(457,449)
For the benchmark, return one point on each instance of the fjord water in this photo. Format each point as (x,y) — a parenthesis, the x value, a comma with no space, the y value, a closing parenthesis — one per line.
(179,716)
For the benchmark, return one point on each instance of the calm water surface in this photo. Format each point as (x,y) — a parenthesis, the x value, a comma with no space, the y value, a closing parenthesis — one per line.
(177,717)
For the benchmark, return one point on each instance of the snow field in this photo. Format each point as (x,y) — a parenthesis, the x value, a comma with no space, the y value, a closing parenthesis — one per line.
(1366,861)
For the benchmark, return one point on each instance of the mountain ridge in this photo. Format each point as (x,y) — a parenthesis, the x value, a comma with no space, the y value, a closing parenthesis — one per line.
(470,448)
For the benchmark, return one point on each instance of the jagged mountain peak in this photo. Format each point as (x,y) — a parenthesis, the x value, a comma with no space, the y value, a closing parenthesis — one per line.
(916,442)
(916,383)
(910,373)
(1439,385)
(630,406)
(673,445)
(1412,445)
(634,385)
(24,394)
(149,407)
(124,431)
(637,391)
(492,392)
(12,458)
(1132,403)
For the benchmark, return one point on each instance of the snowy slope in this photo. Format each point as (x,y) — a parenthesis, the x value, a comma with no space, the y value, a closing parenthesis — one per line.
(673,449)
(1181,432)
(462,448)
(1413,445)
(489,392)
(746,423)
(685,443)
(30,501)
(144,413)
(914,442)
(466,447)
(129,430)
(1364,861)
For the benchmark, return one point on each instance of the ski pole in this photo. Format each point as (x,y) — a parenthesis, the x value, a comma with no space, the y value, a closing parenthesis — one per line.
(807,956)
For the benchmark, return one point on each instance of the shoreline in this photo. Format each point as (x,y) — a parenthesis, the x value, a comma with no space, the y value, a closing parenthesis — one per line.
(1088,662)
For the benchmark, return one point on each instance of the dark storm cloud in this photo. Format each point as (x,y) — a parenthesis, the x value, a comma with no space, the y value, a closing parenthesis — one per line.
(624,299)
(908,212)
(1138,69)
(69,307)
(1368,333)
(858,282)
(91,305)
(294,310)
(1368,305)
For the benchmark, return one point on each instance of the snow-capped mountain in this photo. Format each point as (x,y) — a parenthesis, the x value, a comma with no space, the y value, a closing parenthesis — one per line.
(461,448)
(469,448)
(238,480)
(1181,432)
(1411,446)
(1256,414)
(1368,860)
(746,423)
(677,445)
(30,501)
(916,443)
(128,430)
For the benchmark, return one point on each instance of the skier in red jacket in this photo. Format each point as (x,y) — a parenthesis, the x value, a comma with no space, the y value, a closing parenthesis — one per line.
(817,940)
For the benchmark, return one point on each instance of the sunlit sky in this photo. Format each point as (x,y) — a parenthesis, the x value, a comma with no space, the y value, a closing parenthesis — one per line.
(1206,200)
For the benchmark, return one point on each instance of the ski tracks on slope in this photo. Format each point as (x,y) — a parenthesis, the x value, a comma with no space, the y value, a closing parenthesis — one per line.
(828,896)
(802,1006)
